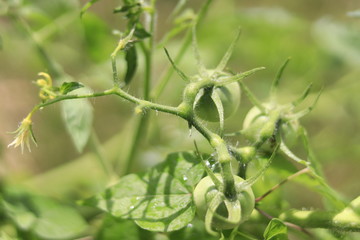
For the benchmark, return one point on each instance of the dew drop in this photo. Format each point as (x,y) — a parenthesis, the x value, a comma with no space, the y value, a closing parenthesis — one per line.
(131,207)
(189,225)
(185,178)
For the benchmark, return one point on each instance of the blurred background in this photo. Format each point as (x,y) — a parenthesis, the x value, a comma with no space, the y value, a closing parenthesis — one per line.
(322,38)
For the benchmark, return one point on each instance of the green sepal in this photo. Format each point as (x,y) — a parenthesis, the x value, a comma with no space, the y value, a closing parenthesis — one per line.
(67,87)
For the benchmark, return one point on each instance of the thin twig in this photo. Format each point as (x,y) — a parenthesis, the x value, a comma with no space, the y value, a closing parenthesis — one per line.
(305,170)
(291,225)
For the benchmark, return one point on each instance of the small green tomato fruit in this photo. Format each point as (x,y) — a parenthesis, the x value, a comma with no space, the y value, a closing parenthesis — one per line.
(291,133)
(253,131)
(229,95)
(205,191)
(255,120)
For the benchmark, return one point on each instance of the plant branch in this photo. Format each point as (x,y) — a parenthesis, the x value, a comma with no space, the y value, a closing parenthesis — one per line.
(346,220)
(141,125)
(305,170)
(289,224)
(224,157)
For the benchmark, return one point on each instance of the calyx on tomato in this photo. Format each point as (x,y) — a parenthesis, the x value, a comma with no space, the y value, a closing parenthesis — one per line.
(255,121)
(229,96)
(223,217)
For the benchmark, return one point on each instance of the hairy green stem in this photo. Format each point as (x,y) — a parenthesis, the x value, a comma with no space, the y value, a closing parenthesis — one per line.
(224,157)
(346,220)
(302,171)
(119,92)
(141,125)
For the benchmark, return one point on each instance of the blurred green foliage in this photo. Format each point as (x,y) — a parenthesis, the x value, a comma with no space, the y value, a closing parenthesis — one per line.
(324,47)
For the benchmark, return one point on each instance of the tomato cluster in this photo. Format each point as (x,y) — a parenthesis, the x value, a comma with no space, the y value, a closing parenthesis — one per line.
(206,190)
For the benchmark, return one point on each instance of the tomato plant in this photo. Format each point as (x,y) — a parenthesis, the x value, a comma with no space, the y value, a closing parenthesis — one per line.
(228,173)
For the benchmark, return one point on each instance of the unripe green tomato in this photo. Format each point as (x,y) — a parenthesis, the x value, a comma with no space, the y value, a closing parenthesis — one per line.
(254,121)
(230,98)
(253,131)
(290,132)
(252,115)
(205,191)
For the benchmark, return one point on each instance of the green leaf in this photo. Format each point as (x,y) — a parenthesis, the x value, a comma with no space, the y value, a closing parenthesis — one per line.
(78,116)
(131,62)
(140,32)
(4,236)
(276,230)
(87,6)
(184,166)
(67,87)
(20,214)
(116,228)
(46,218)
(158,200)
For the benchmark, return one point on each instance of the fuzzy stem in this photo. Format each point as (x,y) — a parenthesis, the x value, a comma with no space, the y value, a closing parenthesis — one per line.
(346,220)
(119,92)
(141,124)
(224,157)
(289,224)
(302,171)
